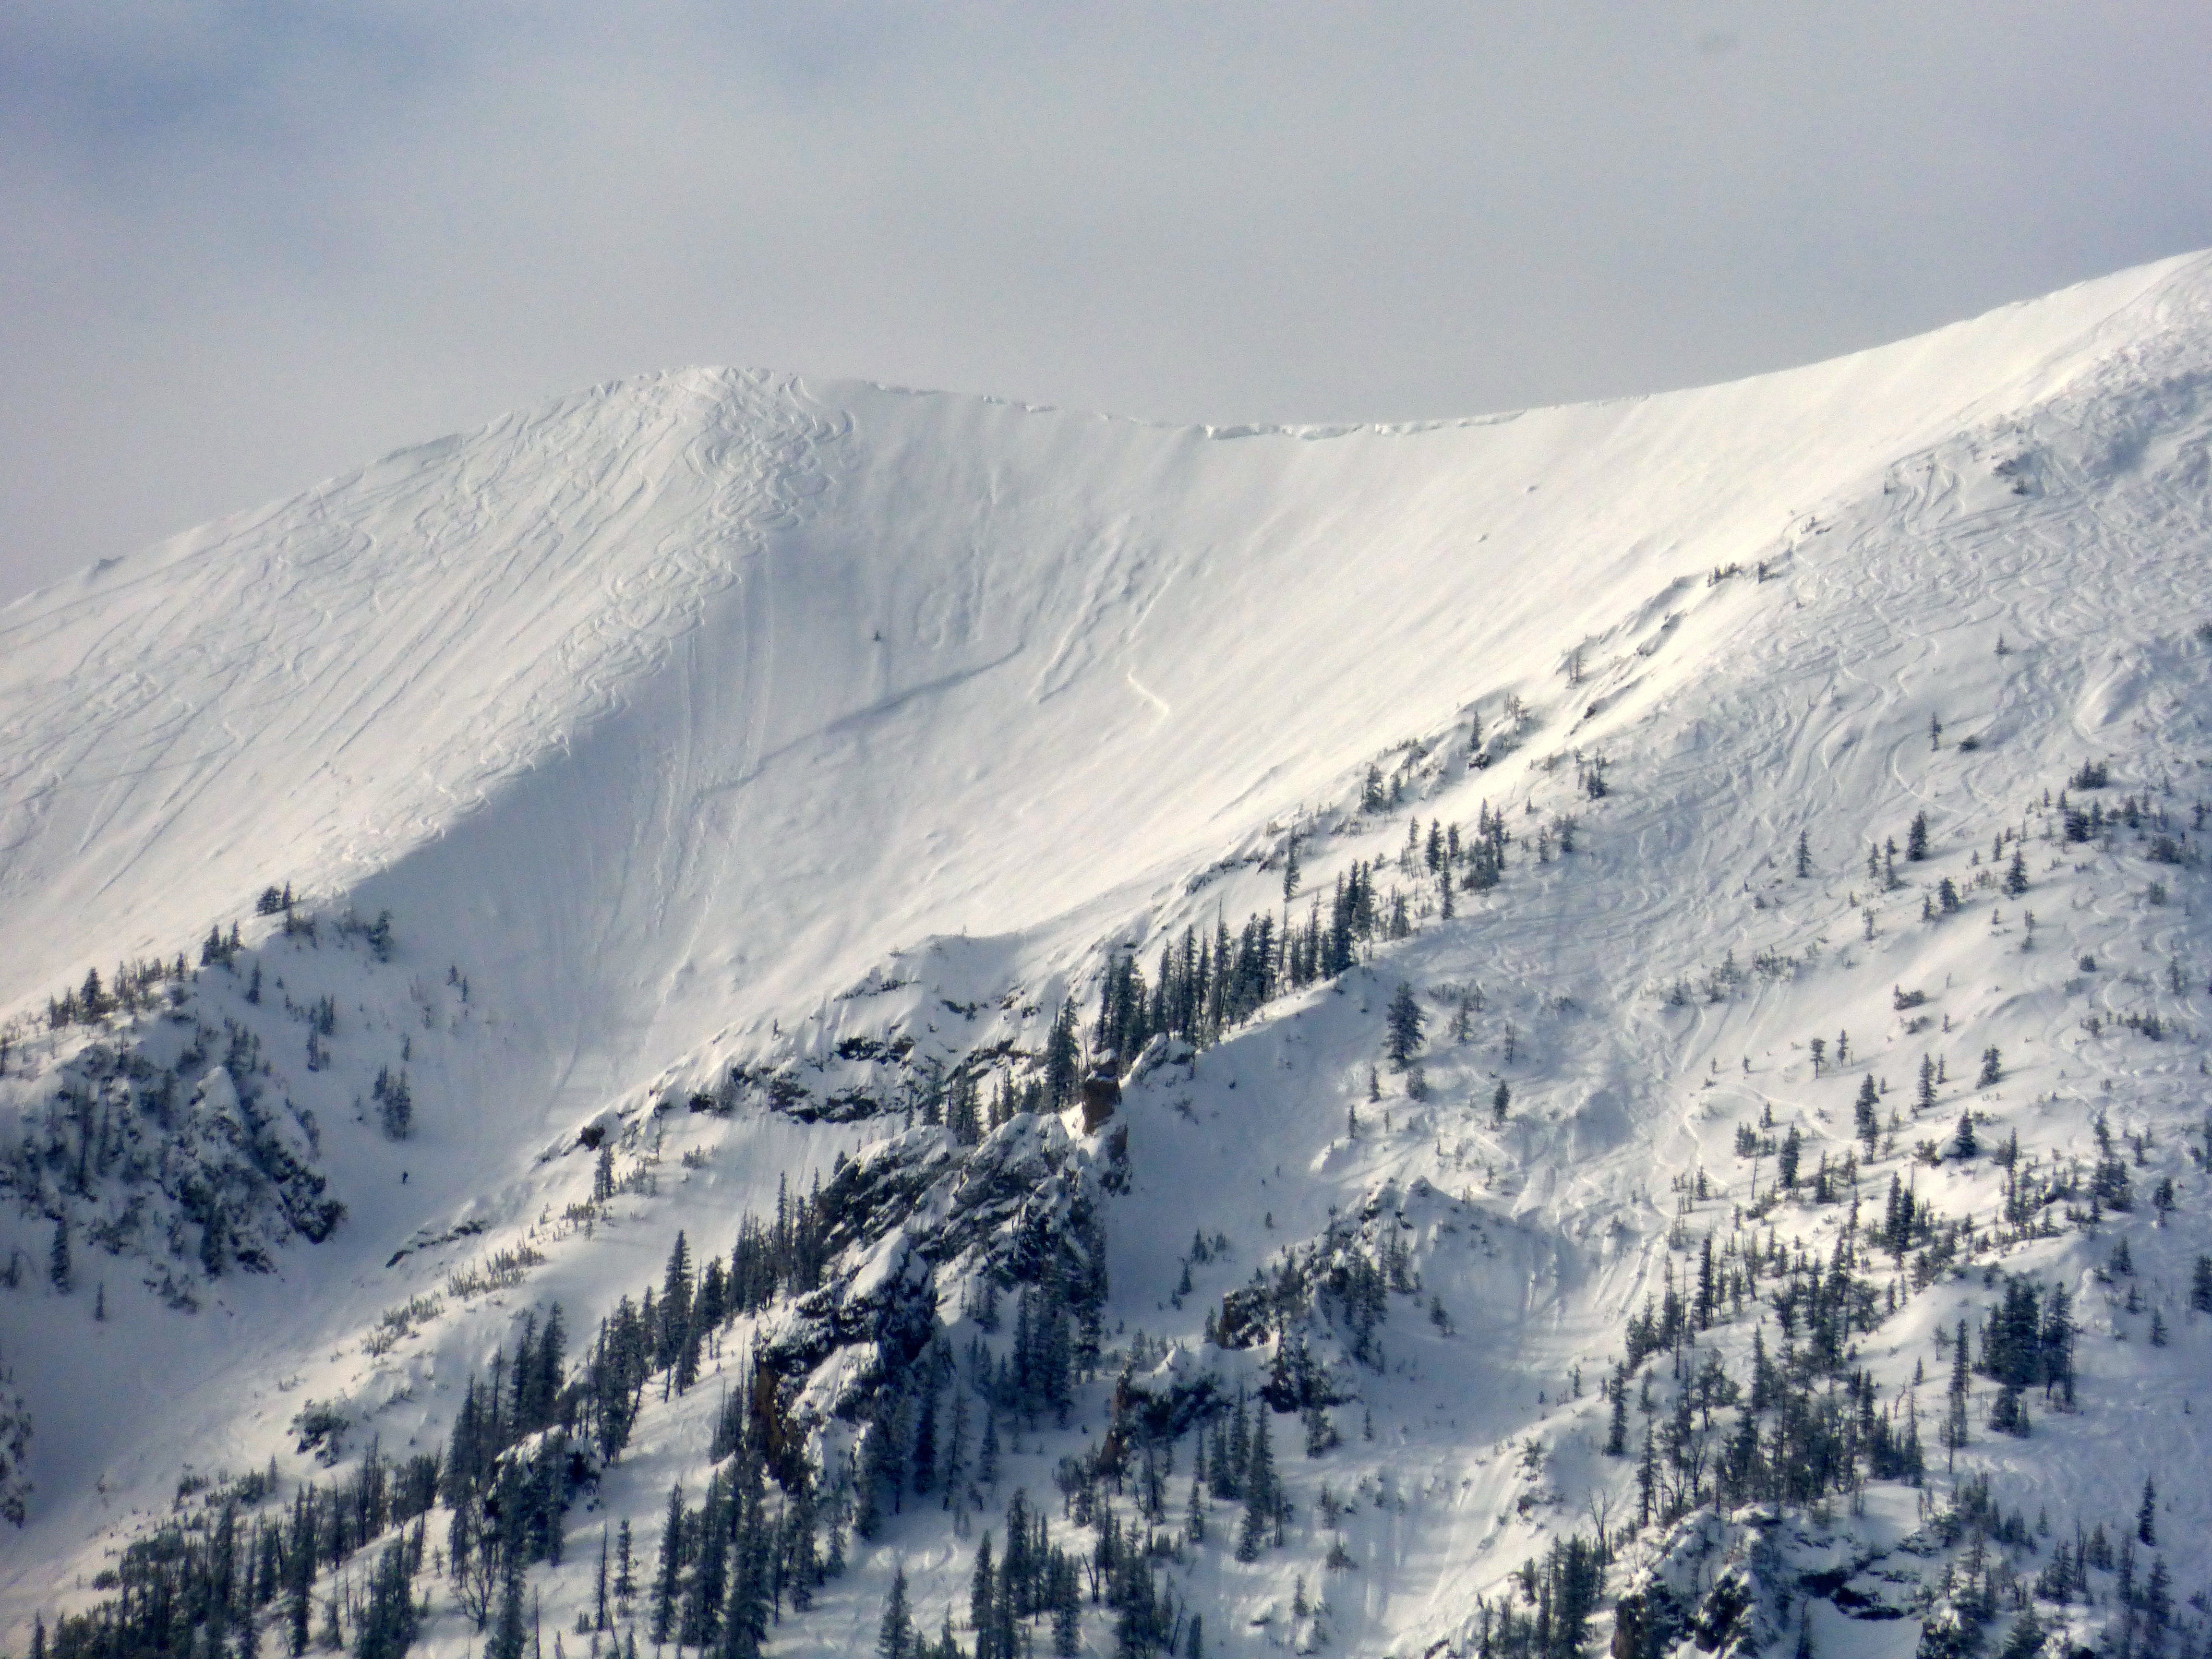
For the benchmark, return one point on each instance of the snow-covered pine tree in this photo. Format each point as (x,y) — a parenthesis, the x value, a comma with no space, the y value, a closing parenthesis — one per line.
(895,1634)
(1405,1022)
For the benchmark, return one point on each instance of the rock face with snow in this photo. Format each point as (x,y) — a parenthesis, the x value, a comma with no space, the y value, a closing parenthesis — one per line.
(1620,934)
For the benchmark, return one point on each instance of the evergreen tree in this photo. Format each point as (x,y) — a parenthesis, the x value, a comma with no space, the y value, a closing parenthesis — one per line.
(1062,1056)
(955,1449)
(1963,1144)
(1916,838)
(2146,1515)
(1866,1119)
(1804,856)
(894,1635)
(1405,1022)
(2015,881)
(1252,1532)
(387,1625)
(708,1582)
(675,1304)
(924,1462)
(1954,1422)
(299,1570)
(1262,1502)
(395,1103)
(669,1576)
(961,1114)
(1501,1099)
(2025,1640)
(2158,1601)
(509,1639)
(982,1597)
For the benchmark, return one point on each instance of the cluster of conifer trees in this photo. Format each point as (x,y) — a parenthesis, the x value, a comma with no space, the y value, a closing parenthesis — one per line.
(1560,1594)
(205,1588)
(509,1468)
(395,1102)
(132,988)
(1809,1424)
(2028,1341)
(113,1116)
(670,1336)
(1342,1275)
(1036,1376)
(728,1564)
(786,1256)
(1036,1581)
(1204,986)
(1803,1432)
(1209,985)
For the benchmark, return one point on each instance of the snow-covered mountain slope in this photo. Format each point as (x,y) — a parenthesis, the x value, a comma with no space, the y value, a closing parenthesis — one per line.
(746,766)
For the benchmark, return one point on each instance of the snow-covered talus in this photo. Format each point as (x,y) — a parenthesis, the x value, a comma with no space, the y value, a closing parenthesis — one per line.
(718,721)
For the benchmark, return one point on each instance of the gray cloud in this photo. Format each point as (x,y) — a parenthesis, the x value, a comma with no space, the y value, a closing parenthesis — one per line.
(246,245)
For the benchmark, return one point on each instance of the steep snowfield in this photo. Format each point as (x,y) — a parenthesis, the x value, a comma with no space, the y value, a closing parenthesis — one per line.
(708,718)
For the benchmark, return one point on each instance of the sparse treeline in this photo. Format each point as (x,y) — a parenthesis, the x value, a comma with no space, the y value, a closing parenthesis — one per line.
(132,988)
(1206,984)
(1810,1422)
(207,1589)
(517,1452)
(2091,823)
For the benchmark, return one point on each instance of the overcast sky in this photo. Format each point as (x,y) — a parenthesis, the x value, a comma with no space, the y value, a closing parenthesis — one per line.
(244,246)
